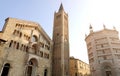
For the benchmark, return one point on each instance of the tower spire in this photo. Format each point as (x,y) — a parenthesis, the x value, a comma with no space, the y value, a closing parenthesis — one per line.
(90,26)
(91,29)
(114,28)
(61,7)
(61,43)
(104,26)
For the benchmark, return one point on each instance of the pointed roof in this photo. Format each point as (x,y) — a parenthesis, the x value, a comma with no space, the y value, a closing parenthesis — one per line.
(91,29)
(90,26)
(104,26)
(61,7)
(114,27)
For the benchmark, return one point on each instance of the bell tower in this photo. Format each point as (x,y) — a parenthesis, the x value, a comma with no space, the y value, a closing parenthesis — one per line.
(61,43)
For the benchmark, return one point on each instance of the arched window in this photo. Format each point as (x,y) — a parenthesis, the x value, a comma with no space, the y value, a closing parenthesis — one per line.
(29,71)
(5,69)
(35,48)
(108,71)
(45,72)
(31,68)
(34,38)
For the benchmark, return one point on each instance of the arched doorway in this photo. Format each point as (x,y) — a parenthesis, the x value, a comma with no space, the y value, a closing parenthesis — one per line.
(45,72)
(108,71)
(5,70)
(31,68)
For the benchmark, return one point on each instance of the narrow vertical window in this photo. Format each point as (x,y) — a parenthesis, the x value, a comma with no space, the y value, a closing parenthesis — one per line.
(14,32)
(14,44)
(48,56)
(27,48)
(17,46)
(75,74)
(45,72)
(16,25)
(17,33)
(21,47)
(20,34)
(24,48)
(11,43)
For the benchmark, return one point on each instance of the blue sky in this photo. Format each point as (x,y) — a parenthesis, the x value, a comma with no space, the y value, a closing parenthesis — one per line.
(41,11)
(81,13)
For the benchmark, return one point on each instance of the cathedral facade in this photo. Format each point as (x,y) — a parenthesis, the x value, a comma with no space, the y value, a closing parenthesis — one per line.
(26,49)
(104,52)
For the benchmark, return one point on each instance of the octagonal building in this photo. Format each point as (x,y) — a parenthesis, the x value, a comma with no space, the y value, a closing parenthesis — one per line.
(104,52)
